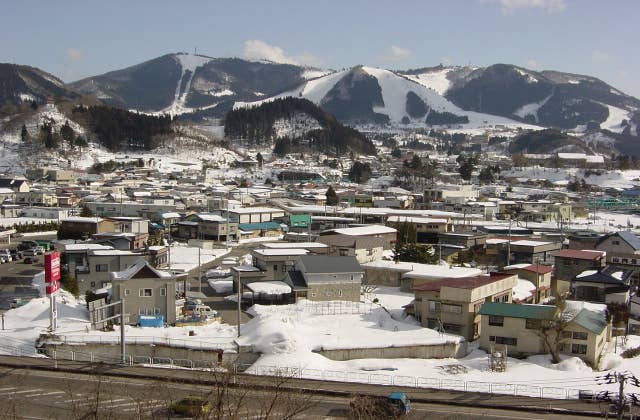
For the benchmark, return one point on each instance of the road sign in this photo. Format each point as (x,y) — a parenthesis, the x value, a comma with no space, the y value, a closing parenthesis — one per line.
(52,272)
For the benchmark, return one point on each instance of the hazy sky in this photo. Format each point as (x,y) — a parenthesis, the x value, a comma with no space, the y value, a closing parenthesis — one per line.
(75,39)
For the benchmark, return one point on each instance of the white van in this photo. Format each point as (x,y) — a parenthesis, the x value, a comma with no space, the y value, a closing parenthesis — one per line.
(205,310)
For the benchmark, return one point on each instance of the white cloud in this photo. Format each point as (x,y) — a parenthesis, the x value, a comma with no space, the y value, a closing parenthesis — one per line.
(599,56)
(396,54)
(533,64)
(255,49)
(73,54)
(509,6)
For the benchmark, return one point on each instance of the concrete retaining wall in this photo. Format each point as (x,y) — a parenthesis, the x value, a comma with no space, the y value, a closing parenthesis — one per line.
(154,351)
(437,351)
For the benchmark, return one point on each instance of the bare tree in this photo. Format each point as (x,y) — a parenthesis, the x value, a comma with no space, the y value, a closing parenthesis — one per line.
(552,331)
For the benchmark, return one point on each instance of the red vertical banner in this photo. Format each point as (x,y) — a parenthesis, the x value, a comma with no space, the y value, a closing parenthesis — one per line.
(52,272)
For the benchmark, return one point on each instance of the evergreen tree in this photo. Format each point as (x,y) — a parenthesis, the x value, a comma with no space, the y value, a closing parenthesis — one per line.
(466,166)
(86,212)
(80,142)
(360,172)
(260,160)
(66,132)
(24,134)
(70,284)
(332,197)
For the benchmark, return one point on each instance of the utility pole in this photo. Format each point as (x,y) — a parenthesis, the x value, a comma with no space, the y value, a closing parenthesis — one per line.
(199,272)
(509,244)
(123,356)
(239,301)
(621,378)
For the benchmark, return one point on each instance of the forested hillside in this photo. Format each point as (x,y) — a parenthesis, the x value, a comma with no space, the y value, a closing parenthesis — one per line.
(257,126)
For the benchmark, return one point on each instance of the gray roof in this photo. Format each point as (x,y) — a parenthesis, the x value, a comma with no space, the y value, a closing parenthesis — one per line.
(630,238)
(330,264)
(297,281)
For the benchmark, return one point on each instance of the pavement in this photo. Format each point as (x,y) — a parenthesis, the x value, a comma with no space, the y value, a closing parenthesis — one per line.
(35,388)
(228,310)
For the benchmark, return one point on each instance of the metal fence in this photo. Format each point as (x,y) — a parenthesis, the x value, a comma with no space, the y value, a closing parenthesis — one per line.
(520,390)
(330,308)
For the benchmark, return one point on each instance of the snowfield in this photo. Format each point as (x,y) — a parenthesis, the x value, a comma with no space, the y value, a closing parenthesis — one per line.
(436,80)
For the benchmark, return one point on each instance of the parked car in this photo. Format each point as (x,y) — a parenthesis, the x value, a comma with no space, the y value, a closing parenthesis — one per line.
(30,260)
(30,252)
(17,255)
(4,259)
(39,249)
(193,406)
(5,253)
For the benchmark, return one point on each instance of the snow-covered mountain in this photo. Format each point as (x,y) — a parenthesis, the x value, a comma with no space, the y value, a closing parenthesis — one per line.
(366,94)
(187,83)
(20,83)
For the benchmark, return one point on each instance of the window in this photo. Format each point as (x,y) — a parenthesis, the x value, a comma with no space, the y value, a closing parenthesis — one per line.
(615,259)
(579,348)
(452,309)
(434,306)
(579,335)
(452,328)
(496,321)
(145,292)
(275,267)
(78,260)
(313,294)
(615,242)
(507,340)
(127,292)
(533,324)
(505,298)
(625,261)
(566,334)
(163,292)
(102,267)
(344,252)
(492,338)
(340,293)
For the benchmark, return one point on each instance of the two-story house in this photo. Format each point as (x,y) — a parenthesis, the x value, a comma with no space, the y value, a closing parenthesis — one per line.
(623,251)
(453,304)
(601,286)
(323,278)
(517,328)
(146,291)
(366,243)
(539,275)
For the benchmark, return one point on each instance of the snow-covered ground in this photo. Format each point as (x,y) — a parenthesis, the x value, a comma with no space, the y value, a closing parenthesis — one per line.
(288,335)
(185,258)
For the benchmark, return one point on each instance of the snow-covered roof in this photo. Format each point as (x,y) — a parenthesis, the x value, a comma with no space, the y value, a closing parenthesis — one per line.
(250,210)
(411,219)
(86,247)
(78,219)
(294,245)
(524,242)
(269,287)
(170,215)
(523,290)
(280,252)
(364,230)
(130,271)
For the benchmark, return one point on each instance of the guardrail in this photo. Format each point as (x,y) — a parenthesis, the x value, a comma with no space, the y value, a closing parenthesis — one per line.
(520,390)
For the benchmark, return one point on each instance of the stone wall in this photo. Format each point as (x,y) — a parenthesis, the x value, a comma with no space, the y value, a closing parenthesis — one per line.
(435,351)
